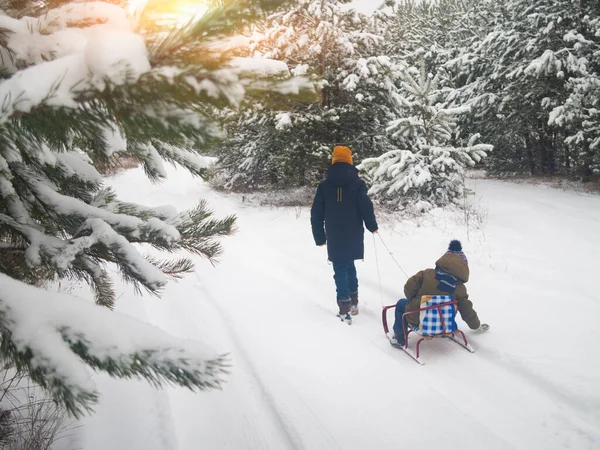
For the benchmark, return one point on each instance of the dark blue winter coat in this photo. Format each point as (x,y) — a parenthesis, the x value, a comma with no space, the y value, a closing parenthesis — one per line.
(340,207)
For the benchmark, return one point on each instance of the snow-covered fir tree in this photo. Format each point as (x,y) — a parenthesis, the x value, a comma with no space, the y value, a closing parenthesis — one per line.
(83,82)
(357,97)
(426,169)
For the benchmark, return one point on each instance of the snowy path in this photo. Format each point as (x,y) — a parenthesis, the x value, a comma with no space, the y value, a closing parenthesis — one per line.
(302,380)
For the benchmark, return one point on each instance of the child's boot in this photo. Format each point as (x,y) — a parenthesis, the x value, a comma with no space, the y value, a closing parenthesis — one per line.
(397,341)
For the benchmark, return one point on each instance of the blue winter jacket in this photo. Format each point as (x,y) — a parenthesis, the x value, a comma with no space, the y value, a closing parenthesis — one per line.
(340,207)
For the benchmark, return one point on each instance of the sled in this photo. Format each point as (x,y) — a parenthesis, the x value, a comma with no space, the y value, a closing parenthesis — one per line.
(437,320)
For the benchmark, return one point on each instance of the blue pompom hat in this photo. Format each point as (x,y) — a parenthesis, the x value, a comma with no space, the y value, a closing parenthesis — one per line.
(455,247)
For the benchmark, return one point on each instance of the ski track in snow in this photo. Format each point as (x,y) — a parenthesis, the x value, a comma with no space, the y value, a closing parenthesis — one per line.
(133,414)
(290,435)
(301,379)
(166,429)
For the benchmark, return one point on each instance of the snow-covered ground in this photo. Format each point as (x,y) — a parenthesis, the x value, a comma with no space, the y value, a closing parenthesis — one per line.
(301,379)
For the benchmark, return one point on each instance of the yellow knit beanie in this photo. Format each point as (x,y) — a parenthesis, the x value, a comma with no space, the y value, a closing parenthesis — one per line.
(341,154)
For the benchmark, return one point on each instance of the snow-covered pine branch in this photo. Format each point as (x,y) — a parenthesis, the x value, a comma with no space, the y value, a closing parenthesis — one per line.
(81,82)
(55,337)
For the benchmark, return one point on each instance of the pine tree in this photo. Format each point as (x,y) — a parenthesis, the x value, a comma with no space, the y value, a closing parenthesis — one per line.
(356,98)
(426,169)
(83,82)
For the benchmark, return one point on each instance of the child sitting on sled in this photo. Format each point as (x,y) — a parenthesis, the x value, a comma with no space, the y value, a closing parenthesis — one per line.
(448,278)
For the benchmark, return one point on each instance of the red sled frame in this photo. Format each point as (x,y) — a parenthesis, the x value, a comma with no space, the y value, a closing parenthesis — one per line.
(446,333)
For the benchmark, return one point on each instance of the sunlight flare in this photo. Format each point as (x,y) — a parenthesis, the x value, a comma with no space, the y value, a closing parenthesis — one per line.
(179,12)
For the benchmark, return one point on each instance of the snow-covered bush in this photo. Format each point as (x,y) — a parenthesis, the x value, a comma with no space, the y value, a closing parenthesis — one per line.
(83,82)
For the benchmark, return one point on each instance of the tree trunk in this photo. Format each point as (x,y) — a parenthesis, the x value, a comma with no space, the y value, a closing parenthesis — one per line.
(302,176)
(301,166)
(530,154)
(586,168)
(567,160)
(546,149)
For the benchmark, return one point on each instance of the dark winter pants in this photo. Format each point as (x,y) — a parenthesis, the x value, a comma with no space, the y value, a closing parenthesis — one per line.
(344,274)
(399,327)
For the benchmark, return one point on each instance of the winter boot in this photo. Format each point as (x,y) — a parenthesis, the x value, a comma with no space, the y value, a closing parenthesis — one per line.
(354,303)
(397,341)
(344,313)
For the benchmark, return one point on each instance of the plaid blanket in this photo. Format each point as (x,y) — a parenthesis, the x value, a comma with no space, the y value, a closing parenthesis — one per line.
(431,323)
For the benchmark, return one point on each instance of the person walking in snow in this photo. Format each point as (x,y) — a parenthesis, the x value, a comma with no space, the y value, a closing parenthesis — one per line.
(448,278)
(340,207)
